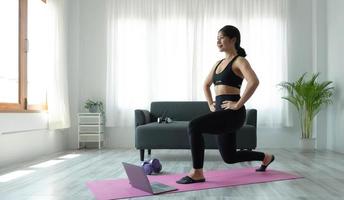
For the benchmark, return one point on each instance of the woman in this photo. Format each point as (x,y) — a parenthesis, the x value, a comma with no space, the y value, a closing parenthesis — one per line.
(228,111)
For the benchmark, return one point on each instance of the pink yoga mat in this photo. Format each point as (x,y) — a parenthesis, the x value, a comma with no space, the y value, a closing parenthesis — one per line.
(118,189)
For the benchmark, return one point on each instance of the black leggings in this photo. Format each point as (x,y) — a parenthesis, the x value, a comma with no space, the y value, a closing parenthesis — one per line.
(224,124)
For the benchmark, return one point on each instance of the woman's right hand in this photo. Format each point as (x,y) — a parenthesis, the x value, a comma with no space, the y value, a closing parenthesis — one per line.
(212,107)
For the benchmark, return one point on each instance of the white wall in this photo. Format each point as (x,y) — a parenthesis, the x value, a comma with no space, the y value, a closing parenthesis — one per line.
(24,137)
(87,58)
(73,69)
(319,64)
(335,27)
(88,73)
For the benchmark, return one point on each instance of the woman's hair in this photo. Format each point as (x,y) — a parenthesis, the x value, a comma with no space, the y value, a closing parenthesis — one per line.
(231,32)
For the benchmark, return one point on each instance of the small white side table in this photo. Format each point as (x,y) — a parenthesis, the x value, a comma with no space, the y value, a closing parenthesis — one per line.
(91,128)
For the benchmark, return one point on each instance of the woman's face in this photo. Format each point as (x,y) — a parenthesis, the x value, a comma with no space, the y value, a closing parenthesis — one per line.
(224,43)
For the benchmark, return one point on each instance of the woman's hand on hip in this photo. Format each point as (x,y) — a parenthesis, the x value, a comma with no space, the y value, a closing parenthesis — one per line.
(212,107)
(232,105)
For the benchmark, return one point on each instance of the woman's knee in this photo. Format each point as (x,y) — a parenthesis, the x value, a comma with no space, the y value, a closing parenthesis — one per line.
(229,160)
(228,157)
(193,127)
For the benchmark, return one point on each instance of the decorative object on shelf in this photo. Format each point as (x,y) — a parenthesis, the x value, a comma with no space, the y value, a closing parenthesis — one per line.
(308,96)
(94,106)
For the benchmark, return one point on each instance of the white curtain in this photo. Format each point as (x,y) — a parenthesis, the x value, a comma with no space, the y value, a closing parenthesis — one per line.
(57,93)
(162,50)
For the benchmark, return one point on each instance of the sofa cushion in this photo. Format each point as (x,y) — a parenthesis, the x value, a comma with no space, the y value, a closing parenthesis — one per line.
(162,135)
(179,111)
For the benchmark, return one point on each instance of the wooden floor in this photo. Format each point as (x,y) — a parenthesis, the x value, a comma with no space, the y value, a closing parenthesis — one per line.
(323,173)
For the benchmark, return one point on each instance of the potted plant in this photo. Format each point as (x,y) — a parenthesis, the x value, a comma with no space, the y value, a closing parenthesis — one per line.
(94,106)
(308,96)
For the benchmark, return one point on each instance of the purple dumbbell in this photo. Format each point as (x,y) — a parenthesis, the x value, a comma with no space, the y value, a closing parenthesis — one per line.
(147,168)
(151,166)
(156,165)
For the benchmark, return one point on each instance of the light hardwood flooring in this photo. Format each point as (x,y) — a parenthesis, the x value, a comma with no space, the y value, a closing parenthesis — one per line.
(323,173)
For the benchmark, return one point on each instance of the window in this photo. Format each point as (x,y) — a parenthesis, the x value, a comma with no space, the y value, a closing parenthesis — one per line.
(9,62)
(37,57)
(21,74)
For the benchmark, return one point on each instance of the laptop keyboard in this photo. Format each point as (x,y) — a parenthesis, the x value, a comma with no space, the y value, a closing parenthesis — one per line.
(158,187)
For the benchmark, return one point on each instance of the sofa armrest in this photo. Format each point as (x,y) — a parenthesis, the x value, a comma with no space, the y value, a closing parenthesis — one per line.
(251,117)
(142,117)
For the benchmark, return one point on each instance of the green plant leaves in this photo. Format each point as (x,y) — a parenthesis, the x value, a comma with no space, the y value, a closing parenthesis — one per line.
(90,103)
(308,96)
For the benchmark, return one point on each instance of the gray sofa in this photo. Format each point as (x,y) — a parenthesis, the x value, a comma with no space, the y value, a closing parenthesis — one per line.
(149,134)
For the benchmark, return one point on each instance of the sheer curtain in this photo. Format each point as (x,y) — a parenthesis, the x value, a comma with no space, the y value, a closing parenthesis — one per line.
(57,92)
(162,50)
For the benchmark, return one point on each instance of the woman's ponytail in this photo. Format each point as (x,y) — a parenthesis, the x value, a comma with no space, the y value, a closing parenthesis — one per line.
(241,51)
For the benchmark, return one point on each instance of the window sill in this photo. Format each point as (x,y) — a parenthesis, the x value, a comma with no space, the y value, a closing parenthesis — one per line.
(20,122)
(23,111)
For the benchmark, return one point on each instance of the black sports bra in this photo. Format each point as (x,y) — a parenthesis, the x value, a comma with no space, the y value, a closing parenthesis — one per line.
(227,76)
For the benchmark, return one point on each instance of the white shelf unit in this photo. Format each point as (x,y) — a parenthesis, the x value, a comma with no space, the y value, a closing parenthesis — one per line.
(91,128)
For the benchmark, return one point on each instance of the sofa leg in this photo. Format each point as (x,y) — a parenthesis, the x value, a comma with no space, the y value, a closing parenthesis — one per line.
(149,151)
(142,154)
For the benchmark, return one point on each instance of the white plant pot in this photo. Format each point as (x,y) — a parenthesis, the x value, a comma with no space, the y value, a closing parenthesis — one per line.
(307,145)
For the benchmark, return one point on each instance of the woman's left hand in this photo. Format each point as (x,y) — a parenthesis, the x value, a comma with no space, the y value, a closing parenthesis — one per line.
(232,105)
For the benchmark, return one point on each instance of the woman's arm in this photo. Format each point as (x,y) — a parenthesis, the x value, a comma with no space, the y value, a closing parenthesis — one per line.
(206,88)
(243,68)
(251,78)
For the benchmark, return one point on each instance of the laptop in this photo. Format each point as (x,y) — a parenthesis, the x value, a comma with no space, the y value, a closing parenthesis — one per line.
(138,179)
